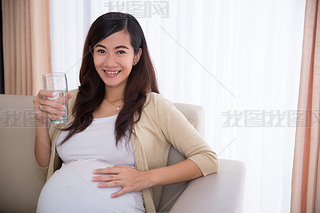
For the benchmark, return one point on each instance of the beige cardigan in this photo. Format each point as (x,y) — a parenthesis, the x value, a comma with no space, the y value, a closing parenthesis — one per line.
(161,125)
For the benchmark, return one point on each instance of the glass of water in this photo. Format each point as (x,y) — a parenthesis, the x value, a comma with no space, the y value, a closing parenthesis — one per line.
(56,83)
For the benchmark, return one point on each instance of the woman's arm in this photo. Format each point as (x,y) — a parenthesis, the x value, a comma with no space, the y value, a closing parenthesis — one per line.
(184,137)
(48,109)
(176,173)
(132,180)
(42,147)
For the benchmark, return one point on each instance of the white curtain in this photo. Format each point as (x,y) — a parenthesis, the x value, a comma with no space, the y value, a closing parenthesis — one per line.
(239,60)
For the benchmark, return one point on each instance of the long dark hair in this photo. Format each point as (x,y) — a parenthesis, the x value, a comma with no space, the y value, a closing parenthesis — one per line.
(141,80)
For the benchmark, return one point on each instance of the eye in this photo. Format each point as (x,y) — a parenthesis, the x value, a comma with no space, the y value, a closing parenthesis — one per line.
(121,52)
(101,51)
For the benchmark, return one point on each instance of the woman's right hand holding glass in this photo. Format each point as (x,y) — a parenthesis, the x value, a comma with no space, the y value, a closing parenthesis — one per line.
(46,108)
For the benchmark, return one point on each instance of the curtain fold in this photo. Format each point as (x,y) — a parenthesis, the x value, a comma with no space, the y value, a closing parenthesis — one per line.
(306,171)
(26,45)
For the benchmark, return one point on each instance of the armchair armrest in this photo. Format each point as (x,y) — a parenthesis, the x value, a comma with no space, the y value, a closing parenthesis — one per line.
(219,192)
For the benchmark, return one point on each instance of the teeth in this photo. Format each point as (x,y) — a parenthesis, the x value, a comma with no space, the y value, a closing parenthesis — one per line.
(112,73)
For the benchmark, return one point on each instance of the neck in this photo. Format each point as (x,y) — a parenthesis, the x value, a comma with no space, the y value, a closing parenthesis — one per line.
(114,94)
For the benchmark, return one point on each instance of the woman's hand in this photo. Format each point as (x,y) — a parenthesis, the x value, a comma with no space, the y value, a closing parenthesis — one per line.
(45,108)
(130,179)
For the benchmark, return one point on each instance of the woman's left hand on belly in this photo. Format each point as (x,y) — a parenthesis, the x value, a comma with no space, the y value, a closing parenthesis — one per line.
(130,179)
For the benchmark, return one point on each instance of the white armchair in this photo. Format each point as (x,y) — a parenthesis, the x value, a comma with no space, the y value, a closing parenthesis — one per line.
(21,179)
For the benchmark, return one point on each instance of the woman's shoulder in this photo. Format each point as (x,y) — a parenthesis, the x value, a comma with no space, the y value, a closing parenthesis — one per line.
(157,102)
(156,98)
(71,101)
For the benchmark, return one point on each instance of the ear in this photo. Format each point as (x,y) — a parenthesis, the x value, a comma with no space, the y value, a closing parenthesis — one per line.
(137,56)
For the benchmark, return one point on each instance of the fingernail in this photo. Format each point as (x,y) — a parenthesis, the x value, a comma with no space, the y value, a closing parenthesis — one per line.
(112,195)
(94,179)
(100,185)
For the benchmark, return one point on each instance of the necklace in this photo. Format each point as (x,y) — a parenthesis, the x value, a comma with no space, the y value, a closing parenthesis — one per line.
(112,103)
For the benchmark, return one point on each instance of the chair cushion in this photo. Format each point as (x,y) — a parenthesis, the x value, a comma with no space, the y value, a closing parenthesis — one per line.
(21,180)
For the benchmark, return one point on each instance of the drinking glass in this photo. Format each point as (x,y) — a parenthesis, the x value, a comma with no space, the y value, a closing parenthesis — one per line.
(56,83)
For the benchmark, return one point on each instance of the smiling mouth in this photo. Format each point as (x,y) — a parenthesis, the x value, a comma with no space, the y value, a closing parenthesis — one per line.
(111,72)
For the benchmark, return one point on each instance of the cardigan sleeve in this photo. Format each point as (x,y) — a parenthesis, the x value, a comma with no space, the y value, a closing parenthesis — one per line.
(184,137)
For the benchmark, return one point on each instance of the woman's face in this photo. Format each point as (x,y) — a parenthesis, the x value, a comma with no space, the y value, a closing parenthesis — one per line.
(113,59)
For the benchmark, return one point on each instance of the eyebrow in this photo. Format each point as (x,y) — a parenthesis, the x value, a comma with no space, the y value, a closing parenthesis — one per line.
(117,47)
(121,46)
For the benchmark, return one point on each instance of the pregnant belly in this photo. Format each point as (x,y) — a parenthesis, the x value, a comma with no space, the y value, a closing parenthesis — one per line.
(70,189)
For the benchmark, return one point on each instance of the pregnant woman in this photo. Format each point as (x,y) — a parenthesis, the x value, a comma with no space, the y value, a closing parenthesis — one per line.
(111,156)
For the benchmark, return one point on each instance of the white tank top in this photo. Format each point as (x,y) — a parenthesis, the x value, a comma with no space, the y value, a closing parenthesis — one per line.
(71,189)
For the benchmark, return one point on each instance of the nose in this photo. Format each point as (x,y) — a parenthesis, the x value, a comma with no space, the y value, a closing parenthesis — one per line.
(110,61)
